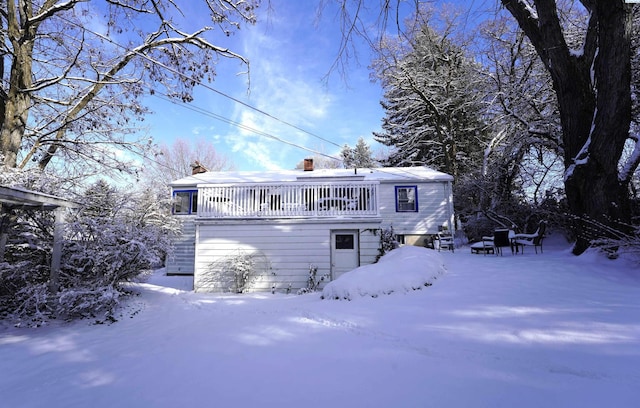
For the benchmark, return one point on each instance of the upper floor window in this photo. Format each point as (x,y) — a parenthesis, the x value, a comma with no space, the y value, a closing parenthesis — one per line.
(406,198)
(185,202)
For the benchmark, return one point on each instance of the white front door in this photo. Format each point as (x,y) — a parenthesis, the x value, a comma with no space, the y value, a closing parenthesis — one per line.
(345,251)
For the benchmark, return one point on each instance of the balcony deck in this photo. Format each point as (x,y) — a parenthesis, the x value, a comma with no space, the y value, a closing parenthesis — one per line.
(292,200)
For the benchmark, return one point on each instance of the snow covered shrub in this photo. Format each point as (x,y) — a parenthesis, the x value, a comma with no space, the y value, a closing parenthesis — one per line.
(111,240)
(23,290)
(242,268)
(24,273)
(314,281)
(85,302)
(388,240)
(238,273)
(613,241)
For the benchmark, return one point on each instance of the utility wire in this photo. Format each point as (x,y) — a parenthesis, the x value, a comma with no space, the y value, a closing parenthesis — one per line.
(204,85)
(221,118)
(203,111)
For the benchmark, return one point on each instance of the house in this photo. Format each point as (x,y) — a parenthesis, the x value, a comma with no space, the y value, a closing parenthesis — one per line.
(265,231)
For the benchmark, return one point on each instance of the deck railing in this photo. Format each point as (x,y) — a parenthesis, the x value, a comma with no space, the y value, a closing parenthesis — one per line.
(304,200)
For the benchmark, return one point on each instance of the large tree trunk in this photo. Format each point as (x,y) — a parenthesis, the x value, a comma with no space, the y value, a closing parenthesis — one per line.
(16,114)
(18,99)
(594,98)
(594,188)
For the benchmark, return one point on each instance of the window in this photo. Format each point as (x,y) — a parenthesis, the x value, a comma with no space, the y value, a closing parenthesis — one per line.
(406,198)
(185,202)
(345,241)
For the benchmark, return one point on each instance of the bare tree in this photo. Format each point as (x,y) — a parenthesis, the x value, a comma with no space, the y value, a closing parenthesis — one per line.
(521,156)
(175,161)
(72,90)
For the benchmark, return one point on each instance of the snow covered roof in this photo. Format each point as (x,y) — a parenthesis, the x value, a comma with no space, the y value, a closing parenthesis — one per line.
(19,197)
(385,174)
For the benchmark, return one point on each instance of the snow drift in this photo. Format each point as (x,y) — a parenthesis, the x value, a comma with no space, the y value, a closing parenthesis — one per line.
(404,269)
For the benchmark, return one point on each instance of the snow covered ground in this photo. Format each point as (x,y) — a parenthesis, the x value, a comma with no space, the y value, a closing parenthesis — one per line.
(546,330)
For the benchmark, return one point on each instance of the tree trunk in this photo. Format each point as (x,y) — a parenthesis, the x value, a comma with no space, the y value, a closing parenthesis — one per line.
(18,99)
(594,99)
(593,188)
(16,113)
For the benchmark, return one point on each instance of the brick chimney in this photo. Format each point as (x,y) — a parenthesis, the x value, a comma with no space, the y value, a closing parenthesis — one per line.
(197,168)
(308,164)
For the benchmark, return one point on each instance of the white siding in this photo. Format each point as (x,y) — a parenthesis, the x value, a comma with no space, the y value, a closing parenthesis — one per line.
(434,209)
(181,259)
(289,246)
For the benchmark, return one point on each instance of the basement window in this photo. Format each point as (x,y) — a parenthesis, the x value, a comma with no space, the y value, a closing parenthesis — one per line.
(406,198)
(185,202)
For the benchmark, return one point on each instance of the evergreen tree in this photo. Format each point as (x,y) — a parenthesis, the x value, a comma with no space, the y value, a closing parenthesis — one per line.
(360,156)
(433,101)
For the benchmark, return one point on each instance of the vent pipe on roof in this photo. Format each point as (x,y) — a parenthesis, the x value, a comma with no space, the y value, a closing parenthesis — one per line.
(308,164)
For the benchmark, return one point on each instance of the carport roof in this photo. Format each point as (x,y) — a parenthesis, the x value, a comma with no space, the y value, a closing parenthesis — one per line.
(14,197)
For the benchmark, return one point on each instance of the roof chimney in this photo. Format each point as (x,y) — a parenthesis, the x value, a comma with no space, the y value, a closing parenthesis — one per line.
(308,164)
(197,168)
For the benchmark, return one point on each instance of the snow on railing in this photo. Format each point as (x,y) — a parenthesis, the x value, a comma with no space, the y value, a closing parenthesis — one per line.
(359,199)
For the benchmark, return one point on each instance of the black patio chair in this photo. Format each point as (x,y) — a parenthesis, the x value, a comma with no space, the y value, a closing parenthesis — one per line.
(501,239)
(534,240)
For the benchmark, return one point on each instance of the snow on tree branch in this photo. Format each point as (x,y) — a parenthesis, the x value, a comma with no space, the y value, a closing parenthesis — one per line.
(68,80)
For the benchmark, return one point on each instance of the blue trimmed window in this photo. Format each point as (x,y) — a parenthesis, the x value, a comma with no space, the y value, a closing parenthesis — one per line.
(406,198)
(185,202)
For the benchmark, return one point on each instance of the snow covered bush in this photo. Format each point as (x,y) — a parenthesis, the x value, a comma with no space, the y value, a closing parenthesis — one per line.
(313,281)
(24,290)
(111,240)
(402,270)
(238,272)
(388,240)
(613,241)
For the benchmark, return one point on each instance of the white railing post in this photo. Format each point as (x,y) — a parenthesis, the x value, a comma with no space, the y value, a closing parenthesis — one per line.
(313,200)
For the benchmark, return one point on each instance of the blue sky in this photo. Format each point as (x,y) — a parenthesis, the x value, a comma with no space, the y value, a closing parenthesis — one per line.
(291,52)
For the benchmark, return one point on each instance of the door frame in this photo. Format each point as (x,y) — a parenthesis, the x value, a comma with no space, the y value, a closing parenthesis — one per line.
(333,250)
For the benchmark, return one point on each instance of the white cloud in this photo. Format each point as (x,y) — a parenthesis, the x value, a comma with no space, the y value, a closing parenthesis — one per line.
(286,83)
(256,148)
(289,59)
(288,87)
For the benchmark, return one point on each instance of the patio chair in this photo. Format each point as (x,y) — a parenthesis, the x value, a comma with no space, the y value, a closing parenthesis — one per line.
(445,241)
(484,246)
(535,239)
(501,238)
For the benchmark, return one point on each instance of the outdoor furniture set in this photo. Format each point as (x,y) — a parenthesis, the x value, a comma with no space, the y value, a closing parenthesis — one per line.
(506,238)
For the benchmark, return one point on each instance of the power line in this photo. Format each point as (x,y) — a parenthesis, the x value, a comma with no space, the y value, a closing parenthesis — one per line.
(204,85)
(221,118)
(203,111)
(399,171)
